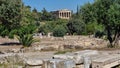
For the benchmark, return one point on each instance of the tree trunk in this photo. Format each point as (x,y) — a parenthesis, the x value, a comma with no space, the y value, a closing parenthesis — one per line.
(116,41)
(109,37)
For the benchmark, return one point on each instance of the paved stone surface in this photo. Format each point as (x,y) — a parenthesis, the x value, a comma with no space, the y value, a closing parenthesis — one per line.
(77,56)
(58,63)
(34,62)
(106,61)
(84,58)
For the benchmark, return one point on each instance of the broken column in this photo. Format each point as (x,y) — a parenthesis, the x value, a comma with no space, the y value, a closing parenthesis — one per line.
(87,62)
(58,63)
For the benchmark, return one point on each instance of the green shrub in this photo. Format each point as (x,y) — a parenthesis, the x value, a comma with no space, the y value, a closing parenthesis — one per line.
(26,40)
(99,34)
(12,33)
(25,35)
(4,33)
(90,28)
(59,31)
(76,26)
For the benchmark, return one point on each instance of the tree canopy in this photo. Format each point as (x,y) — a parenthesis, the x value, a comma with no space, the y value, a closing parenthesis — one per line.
(107,13)
(10,13)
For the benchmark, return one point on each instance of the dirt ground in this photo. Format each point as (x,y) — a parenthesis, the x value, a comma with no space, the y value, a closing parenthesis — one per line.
(8,44)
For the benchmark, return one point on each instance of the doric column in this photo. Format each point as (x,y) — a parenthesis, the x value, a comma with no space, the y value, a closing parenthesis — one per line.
(59,14)
(70,14)
(64,14)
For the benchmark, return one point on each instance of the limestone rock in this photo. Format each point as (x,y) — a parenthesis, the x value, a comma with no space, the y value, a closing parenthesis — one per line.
(78,57)
(58,63)
(34,62)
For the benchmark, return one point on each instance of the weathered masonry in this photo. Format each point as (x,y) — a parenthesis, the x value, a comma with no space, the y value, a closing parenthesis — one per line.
(62,14)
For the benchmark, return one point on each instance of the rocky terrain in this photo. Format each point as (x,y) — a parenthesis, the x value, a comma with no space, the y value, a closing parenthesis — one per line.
(77,59)
(53,43)
(67,52)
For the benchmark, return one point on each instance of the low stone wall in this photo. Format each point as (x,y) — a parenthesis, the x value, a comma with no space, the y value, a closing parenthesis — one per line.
(61,43)
(71,42)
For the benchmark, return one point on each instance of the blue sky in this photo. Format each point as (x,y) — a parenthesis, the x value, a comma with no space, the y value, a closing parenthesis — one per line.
(52,5)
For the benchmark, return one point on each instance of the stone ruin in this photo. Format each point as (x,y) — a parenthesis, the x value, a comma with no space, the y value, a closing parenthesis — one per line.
(80,59)
(69,42)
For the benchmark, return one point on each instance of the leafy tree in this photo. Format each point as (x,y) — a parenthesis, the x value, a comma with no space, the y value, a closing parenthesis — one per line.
(34,10)
(10,13)
(87,13)
(76,26)
(29,29)
(107,13)
(49,26)
(36,16)
(59,31)
(17,19)
(27,17)
(90,28)
(45,15)
(10,16)
(94,27)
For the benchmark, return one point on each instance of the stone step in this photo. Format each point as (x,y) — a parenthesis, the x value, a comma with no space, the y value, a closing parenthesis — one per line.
(58,63)
(106,60)
(78,57)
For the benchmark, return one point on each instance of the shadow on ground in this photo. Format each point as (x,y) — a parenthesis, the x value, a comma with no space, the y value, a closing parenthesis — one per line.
(9,43)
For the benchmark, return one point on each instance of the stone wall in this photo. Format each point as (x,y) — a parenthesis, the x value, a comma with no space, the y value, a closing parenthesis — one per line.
(60,43)
(71,42)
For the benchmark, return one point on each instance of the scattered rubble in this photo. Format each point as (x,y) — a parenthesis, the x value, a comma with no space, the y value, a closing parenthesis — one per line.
(79,59)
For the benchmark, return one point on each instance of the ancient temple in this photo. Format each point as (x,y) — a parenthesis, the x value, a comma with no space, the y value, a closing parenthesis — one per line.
(62,14)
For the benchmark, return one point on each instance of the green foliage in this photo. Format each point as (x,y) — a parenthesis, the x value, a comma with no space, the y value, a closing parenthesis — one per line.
(49,26)
(10,13)
(25,35)
(29,29)
(10,17)
(46,16)
(28,17)
(2,28)
(90,28)
(87,13)
(105,12)
(59,31)
(17,19)
(26,39)
(4,33)
(99,34)
(76,26)
(12,33)
(109,16)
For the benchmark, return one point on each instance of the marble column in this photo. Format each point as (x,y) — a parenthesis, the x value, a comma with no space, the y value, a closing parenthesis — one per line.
(87,62)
